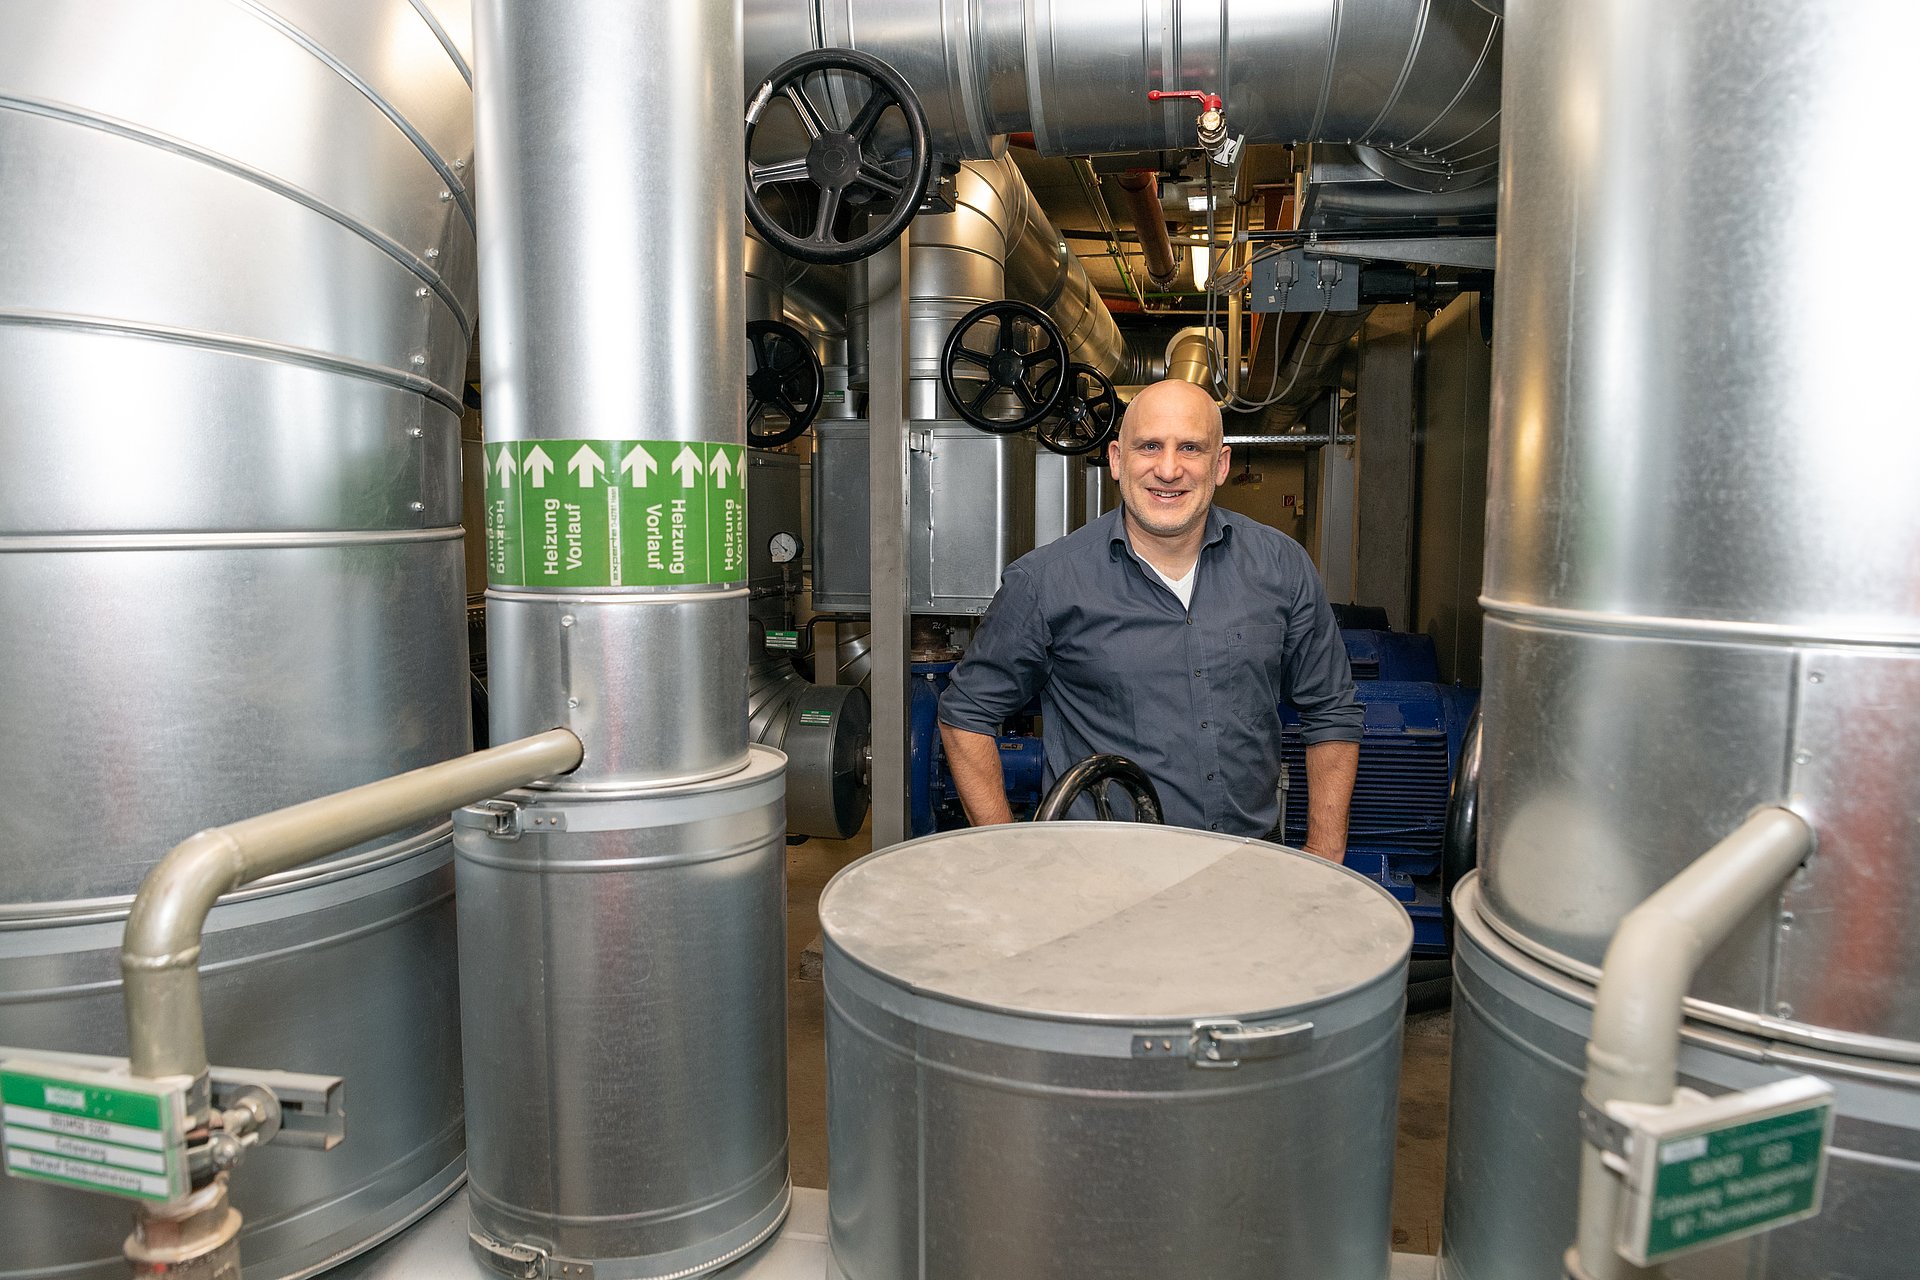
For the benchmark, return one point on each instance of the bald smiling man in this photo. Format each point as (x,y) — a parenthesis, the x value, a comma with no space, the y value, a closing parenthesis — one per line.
(1169,632)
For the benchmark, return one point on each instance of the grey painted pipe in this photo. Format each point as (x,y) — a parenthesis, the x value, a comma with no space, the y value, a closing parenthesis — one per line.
(1634,1052)
(160,954)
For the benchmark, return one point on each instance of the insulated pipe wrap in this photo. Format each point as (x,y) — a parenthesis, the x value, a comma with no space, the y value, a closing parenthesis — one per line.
(1420,82)
(592,333)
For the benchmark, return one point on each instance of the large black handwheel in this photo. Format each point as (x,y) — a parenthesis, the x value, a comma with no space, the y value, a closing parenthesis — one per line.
(783,374)
(1009,347)
(1088,415)
(878,164)
(1099,771)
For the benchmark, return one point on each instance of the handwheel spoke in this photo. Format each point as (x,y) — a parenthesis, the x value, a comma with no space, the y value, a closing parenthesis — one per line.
(1007,339)
(973,357)
(1034,359)
(1025,393)
(824,214)
(869,116)
(787,406)
(810,117)
(873,176)
(755,411)
(980,401)
(766,175)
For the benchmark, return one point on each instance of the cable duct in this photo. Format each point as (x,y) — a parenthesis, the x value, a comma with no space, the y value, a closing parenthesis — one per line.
(1419,83)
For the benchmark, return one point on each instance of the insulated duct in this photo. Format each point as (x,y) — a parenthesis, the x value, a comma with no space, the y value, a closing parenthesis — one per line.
(599,914)
(1141,189)
(235,305)
(1418,82)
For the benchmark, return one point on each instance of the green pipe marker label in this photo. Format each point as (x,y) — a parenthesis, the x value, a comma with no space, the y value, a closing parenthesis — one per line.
(615,513)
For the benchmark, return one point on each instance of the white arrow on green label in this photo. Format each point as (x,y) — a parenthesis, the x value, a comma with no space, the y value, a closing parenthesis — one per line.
(537,466)
(638,466)
(585,465)
(687,465)
(504,464)
(722,470)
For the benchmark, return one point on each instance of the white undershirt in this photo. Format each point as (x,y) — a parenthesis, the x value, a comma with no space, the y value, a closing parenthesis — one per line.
(1182,586)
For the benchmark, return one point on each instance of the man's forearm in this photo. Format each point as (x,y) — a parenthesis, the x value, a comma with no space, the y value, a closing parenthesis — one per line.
(974,759)
(1331,768)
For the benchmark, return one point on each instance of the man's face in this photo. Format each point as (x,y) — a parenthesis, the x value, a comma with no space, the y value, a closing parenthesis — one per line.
(1168,461)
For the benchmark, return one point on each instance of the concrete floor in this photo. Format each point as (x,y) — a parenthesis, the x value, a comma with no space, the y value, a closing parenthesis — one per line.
(1420,1160)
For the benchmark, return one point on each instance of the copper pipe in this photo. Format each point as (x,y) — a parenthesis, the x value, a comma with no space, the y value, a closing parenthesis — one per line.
(1142,190)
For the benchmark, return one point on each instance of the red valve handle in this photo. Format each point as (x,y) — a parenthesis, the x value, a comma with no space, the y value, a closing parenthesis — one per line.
(1208,101)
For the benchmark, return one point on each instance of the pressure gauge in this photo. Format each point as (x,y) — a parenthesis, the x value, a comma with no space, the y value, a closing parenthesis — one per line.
(783,548)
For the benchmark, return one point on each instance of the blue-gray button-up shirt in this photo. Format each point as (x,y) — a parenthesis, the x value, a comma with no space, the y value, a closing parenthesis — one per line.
(1191,695)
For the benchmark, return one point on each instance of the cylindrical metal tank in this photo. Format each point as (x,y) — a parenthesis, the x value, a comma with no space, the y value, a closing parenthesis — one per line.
(1081,1050)
(1667,645)
(1700,574)
(1513,1163)
(235,305)
(637,1092)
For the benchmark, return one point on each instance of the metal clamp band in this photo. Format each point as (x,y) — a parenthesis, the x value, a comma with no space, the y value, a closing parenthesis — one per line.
(1228,1044)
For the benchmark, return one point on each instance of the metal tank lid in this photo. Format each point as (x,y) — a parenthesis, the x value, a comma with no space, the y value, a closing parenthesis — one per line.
(1114,922)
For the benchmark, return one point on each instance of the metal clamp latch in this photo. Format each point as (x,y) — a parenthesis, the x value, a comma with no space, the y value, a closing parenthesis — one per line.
(312,1108)
(506,818)
(1228,1044)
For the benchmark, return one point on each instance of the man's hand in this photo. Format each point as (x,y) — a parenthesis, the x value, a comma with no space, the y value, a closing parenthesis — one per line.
(1331,768)
(974,759)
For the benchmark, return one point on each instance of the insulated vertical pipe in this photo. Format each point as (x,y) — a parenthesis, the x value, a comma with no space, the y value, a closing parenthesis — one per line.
(611,269)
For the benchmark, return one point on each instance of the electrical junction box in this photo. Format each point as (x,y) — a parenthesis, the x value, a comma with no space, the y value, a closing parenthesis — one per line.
(1706,1170)
(1292,281)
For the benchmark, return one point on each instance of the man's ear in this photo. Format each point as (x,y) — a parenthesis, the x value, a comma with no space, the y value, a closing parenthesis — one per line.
(1226,465)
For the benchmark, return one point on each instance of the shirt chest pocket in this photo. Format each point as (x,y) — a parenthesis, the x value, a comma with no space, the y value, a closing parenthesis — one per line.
(1253,677)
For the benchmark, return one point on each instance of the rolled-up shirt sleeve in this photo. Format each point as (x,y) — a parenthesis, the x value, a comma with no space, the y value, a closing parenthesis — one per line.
(1320,678)
(1006,664)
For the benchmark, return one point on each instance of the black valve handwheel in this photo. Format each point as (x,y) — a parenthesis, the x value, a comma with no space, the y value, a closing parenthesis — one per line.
(782,374)
(1098,771)
(1009,348)
(844,170)
(1088,415)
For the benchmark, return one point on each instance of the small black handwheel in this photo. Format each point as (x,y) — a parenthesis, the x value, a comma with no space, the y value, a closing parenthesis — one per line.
(1002,348)
(783,374)
(1098,771)
(807,206)
(1088,415)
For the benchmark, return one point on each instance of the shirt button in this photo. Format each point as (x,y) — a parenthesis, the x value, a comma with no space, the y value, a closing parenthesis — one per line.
(1189,621)
(1196,673)
(1213,826)
(1209,777)
(1203,724)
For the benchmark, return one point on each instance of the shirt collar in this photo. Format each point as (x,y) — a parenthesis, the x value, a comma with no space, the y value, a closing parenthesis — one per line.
(1218,530)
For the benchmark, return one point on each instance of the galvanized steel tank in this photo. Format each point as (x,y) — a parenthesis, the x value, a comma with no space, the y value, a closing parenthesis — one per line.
(235,306)
(1701,549)
(634,1095)
(1520,1030)
(1021,1081)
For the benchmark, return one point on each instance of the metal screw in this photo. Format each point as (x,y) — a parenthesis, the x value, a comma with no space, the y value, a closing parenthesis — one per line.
(433,253)
(417,506)
(418,359)
(1166,1044)
(422,292)
(566,619)
(1783,1009)
(1815,677)
(1802,757)
(573,702)
(445,196)
(415,432)
(459,164)
(1786,919)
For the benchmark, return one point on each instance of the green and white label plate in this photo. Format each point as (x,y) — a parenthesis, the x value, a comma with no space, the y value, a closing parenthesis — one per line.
(95,1131)
(1708,1170)
(615,513)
